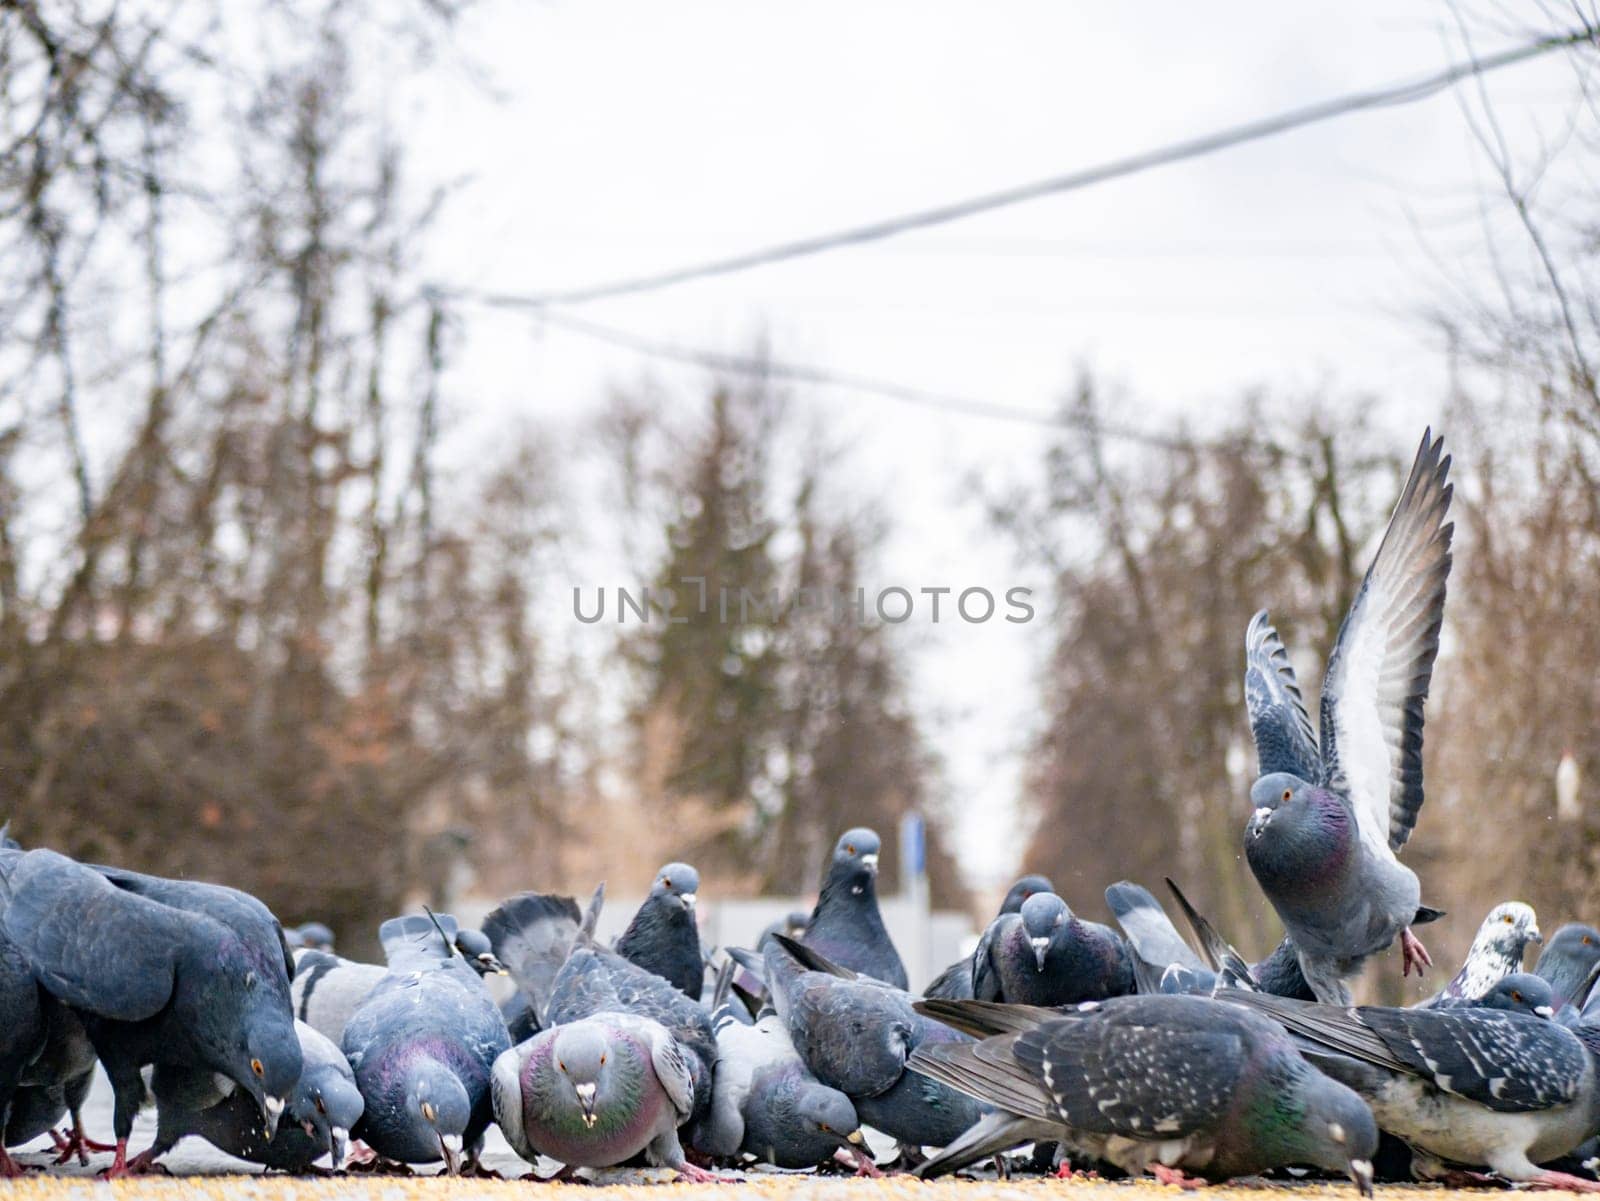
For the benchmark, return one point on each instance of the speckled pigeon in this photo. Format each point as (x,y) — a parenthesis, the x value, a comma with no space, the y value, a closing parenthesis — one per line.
(765,1103)
(422,1044)
(1567,959)
(846,926)
(855,1033)
(662,937)
(1165,1084)
(323,1108)
(1330,818)
(196,980)
(1496,953)
(1472,1086)
(955,982)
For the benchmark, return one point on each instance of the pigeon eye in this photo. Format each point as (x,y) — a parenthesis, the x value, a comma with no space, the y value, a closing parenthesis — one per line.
(667,881)
(602,1061)
(255,1066)
(1587,941)
(1508,919)
(1516,996)
(321,1108)
(849,849)
(1287,793)
(561,1065)
(825,1128)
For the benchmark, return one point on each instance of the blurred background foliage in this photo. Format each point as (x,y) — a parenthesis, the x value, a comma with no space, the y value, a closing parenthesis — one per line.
(251,630)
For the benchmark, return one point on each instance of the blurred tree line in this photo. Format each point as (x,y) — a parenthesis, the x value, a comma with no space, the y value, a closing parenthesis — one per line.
(252,627)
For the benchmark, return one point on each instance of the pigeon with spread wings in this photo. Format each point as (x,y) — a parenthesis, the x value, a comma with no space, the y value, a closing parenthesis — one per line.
(1330,817)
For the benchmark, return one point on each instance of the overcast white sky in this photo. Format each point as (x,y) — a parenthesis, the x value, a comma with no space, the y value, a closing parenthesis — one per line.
(633,136)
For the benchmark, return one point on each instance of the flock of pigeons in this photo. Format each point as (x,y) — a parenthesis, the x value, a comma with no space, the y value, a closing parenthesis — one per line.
(1132,1052)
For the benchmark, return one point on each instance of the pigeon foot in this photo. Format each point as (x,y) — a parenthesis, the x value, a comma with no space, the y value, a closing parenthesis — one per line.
(863,1163)
(1175,1176)
(76,1142)
(1564,1181)
(1413,953)
(10,1168)
(698,1175)
(142,1164)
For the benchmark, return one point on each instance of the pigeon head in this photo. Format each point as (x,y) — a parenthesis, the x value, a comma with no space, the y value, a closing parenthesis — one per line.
(316,936)
(242,1023)
(678,880)
(326,1104)
(1320,1122)
(476,950)
(1042,915)
(1298,835)
(1507,931)
(1022,890)
(803,1122)
(1521,992)
(1568,958)
(590,1066)
(855,859)
(433,1114)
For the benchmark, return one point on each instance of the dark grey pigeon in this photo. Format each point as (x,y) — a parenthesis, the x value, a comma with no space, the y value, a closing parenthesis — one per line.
(156,983)
(792,924)
(846,927)
(1496,953)
(24,1030)
(856,1033)
(1520,992)
(478,951)
(1165,1084)
(1045,955)
(1567,960)
(662,937)
(955,981)
(532,934)
(766,1104)
(1473,1086)
(422,1044)
(323,1108)
(315,936)
(1330,818)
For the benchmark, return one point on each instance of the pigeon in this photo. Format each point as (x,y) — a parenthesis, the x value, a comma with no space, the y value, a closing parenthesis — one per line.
(1520,992)
(596,1092)
(1044,955)
(422,1043)
(955,981)
(792,923)
(662,937)
(322,1109)
(532,934)
(156,982)
(765,1103)
(478,951)
(1496,953)
(846,927)
(23,1033)
(1567,959)
(1475,1086)
(314,936)
(1328,819)
(856,1033)
(1165,1084)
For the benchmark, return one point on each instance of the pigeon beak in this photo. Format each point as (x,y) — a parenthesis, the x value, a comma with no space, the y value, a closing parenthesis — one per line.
(1543,1011)
(1041,948)
(1361,1173)
(1258,822)
(689,900)
(586,1099)
(1535,937)
(870,862)
(855,1138)
(450,1146)
(271,1110)
(492,966)
(338,1140)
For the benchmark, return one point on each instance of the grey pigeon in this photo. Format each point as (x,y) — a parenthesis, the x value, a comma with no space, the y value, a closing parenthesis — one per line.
(478,951)
(1567,960)
(1496,953)
(765,1103)
(197,980)
(1165,1084)
(955,981)
(792,924)
(1330,818)
(422,1044)
(323,1108)
(597,1092)
(314,936)
(1520,992)
(856,1033)
(1046,955)
(532,934)
(1164,962)
(662,937)
(1473,1086)
(846,926)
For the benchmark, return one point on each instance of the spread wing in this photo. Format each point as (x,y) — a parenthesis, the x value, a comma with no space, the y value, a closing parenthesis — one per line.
(1378,674)
(1279,723)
